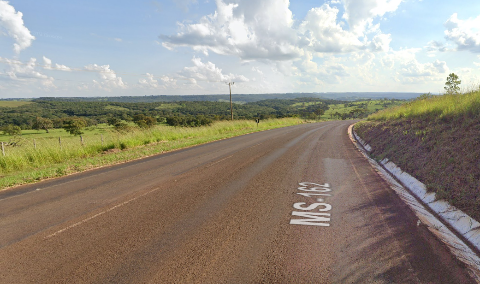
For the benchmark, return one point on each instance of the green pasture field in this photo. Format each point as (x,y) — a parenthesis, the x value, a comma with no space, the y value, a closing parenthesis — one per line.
(168,106)
(55,133)
(116,108)
(14,103)
(45,157)
(372,106)
(305,104)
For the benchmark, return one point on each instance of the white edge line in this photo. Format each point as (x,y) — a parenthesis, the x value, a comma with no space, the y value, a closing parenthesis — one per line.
(456,246)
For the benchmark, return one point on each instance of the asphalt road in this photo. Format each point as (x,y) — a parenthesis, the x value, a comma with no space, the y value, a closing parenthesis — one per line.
(292,205)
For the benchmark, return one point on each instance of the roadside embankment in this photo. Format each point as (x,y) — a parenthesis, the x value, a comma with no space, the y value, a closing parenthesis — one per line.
(458,231)
(437,141)
(431,146)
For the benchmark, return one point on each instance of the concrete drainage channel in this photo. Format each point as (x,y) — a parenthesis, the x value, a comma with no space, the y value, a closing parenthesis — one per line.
(457,230)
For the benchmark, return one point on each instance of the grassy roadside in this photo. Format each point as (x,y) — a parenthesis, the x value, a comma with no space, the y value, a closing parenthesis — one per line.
(437,140)
(27,164)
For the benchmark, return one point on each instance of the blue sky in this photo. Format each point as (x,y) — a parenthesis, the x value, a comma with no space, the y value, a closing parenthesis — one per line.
(189,47)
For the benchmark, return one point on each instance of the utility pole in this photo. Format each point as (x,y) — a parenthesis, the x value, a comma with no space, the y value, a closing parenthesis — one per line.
(231,106)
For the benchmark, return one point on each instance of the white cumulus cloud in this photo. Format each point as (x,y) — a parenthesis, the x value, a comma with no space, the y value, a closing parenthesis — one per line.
(324,34)
(464,33)
(47,64)
(477,63)
(27,72)
(250,29)
(109,78)
(257,70)
(360,13)
(265,30)
(209,72)
(169,82)
(12,22)
(416,69)
(409,70)
(434,46)
(148,82)
(380,42)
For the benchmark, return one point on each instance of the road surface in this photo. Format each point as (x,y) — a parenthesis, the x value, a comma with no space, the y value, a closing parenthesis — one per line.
(292,205)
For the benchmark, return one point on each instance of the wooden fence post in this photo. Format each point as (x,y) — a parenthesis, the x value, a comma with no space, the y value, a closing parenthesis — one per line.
(34,144)
(3,149)
(81,139)
(60,142)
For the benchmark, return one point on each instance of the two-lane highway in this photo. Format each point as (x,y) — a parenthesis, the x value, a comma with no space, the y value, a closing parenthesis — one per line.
(292,205)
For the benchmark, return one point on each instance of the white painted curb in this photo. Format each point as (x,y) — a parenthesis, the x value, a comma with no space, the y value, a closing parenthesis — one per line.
(462,223)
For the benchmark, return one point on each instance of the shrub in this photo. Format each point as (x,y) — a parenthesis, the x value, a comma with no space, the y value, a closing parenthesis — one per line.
(12,130)
(144,121)
(189,121)
(75,125)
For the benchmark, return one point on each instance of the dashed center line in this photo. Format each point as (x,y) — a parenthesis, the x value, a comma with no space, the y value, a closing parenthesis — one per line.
(220,160)
(99,214)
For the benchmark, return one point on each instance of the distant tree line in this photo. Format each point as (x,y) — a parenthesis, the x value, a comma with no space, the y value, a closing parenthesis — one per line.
(48,113)
(191,121)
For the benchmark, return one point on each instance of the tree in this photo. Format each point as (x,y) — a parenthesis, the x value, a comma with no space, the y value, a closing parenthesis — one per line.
(174,121)
(319,111)
(75,125)
(189,121)
(144,121)
(42,123)
(118,124)
(452,84)
(113,121)
(58,122)
(358,112)
(12,130)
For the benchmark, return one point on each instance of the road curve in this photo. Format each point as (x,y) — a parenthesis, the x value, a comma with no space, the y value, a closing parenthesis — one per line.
(292,205)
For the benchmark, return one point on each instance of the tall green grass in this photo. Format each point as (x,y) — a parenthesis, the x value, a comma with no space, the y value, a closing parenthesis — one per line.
(48,151)
(447,105)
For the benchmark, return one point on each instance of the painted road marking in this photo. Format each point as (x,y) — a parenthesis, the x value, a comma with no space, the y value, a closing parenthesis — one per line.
(99,214)
(219,161)
(310,189)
